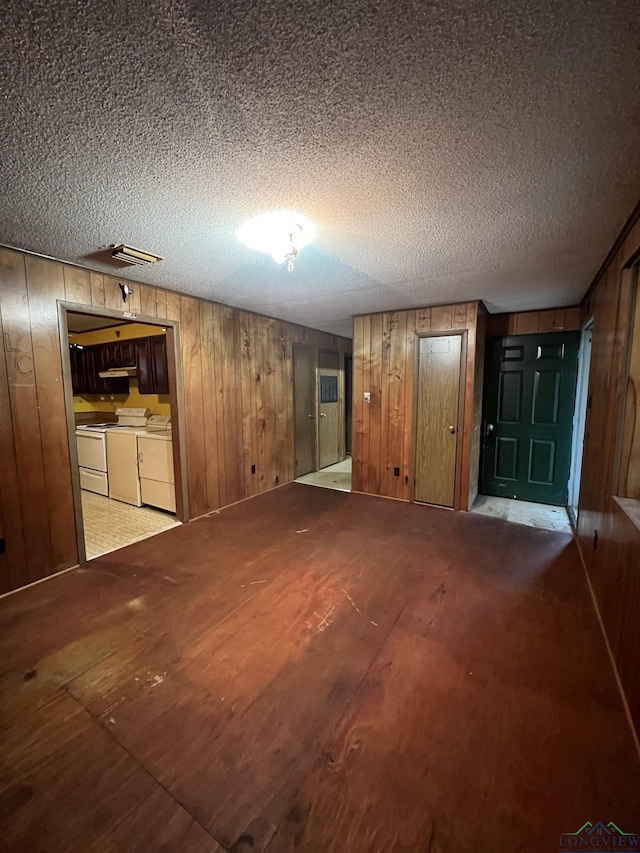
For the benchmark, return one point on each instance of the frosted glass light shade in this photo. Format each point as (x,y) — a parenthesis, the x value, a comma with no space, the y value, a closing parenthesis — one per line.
(276,233)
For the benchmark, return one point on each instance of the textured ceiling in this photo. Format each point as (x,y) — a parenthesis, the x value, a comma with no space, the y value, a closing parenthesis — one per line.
(445,150)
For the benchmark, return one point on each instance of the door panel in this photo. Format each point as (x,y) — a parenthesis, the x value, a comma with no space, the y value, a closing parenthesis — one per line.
(507,457)
(329,408)
(304,409)
(529,401)
(439,372)
(159,364)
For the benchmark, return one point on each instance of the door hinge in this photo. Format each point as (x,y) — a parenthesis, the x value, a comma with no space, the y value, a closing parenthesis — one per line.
(589,401)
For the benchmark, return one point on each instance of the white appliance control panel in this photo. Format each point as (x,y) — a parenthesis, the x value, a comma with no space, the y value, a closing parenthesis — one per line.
(132,412)
(135,417)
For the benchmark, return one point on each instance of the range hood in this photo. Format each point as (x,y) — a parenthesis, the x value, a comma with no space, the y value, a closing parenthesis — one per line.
(117,372)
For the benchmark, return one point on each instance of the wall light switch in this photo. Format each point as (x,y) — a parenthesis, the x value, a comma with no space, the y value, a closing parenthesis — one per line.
(367,396)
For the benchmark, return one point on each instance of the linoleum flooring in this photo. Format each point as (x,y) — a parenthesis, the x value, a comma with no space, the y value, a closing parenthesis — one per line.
(336,476)
(110,524)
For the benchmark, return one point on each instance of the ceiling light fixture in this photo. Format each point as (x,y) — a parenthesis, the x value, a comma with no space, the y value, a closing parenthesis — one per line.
(279,233)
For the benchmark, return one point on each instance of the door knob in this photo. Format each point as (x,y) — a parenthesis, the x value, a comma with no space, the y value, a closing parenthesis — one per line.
(488,431)
(452,430)
(322,415)
(310,415)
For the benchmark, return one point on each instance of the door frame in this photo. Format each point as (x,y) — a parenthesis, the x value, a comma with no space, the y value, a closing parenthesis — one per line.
(174,365)
(579,421)
(315,351)
(463,334)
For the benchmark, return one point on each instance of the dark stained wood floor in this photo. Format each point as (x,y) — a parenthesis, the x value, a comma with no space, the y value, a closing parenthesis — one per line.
(313,671)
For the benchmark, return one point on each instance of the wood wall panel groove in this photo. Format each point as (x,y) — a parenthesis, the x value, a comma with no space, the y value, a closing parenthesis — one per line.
(23,406)
(396,391)
(410,344)
(161,303)
(147,300)
(269,371)
(375,409)
(237,387)
(247,402)
(77,285)
(210,405)
(14,566)
(357,444)
(45,286)
(96,283)
(113,294)
(379,455)
(194,403)
(365,421)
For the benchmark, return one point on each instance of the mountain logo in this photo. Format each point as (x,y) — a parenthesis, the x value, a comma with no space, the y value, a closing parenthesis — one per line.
(600,836)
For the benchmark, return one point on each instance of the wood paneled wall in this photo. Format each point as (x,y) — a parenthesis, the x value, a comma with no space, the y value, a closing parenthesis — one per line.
(612,556)
(534,322)
(629,474)
(383,364)
(237,389)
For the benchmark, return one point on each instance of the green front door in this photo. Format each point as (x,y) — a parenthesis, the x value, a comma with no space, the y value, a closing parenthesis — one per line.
(530,385)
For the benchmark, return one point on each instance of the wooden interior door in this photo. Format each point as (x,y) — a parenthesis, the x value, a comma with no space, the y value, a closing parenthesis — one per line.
(439,380)
(304,407)
(329,408)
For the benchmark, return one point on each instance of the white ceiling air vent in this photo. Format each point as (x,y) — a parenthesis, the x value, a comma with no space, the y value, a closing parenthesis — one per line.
(129,255)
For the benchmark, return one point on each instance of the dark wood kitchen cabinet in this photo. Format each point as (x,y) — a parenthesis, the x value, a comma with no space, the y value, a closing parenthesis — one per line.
(148,355)
(118,354)
(86,364)
(151,359)
(77,368)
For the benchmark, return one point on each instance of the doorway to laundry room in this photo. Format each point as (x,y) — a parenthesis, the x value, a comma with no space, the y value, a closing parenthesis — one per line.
(121,397)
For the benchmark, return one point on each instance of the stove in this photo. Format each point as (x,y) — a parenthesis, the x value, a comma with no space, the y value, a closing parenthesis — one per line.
(127,418)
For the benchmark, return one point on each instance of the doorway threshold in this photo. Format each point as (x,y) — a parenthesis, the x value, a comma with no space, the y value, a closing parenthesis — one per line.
(532,514)
(336,477)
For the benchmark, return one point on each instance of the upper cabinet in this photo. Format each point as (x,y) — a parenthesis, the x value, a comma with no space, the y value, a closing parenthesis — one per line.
(86,364)
(160,367)
(148,355)
(151,360)
(118,354)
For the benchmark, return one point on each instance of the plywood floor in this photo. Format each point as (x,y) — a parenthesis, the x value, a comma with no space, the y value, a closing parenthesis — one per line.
(313,671)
